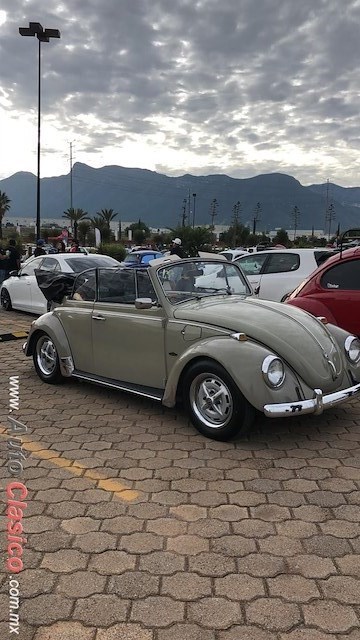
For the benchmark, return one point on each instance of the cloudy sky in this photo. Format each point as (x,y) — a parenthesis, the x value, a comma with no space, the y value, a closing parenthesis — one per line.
(240,87)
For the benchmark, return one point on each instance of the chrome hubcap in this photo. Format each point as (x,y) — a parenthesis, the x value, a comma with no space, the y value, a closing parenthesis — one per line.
(46,355)
(211,400)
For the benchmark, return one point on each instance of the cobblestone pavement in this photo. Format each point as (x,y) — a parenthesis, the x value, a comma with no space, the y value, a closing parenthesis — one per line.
(138,528)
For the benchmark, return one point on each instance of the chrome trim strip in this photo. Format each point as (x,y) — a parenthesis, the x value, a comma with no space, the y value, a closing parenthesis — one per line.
(315,405)
(114,385)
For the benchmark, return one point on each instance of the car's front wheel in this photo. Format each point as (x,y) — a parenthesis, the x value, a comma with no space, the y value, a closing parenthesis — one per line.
(215,405)
(46,360)
(5,300)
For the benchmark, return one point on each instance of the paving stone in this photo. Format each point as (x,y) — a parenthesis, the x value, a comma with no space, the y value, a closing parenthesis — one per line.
(159,611)
(64,561)
(340,528)
(236,546)
(186,586)
(253,528)
(309,634)
(162,563)
(342,588)
(134,585)
(209,528)
(188,512)
(293,588)
(280,545)
(186,632)
(65,631)
(311,566)
(215,613)
(66,509)
(239,587)
(94,541)
(312,513)
(273,614)
(252,633)
(330,616)
(327,546)
(270,513)
(112,562)
(141,542)
(167,526)
(125,631)
(101,610)
(261,565)
(187,544)
(56,541)
(38,524)
(212,564)
(45,609)
(80,525)
(81,584)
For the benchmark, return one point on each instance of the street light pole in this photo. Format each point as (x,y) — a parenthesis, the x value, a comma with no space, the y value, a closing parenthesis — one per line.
(43,35)
(194,197)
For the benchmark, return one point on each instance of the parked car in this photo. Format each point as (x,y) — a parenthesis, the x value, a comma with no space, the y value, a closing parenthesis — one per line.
(333,291)
(274,273)
(140,258)
(160,333)
(231,254)
(21,291)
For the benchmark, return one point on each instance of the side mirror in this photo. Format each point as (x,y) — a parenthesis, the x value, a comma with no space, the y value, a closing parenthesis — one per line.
(14,273)
(143,303)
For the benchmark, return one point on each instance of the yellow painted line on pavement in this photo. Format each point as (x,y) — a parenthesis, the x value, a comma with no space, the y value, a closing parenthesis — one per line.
(75,467)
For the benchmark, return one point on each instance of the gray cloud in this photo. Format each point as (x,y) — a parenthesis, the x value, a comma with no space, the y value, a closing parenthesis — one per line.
(240,80)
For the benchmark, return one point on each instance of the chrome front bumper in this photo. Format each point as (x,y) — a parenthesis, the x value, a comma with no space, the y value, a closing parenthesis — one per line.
(316,405)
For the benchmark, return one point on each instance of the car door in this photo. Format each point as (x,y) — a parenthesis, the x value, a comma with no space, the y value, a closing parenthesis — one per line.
(22,285)
(39,304)
(128,343)
(340,293)
(253,265)
(280,275)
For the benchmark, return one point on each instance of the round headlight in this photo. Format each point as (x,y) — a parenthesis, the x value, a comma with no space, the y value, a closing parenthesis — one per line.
(352,349)
(273,371)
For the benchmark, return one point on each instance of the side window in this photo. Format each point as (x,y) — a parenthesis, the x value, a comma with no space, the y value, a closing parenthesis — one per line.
(144,285)
(252,265)
(29,269)
(281,262)
(345,275)
(117,285)
(146,258)
(85,286)
(50,264)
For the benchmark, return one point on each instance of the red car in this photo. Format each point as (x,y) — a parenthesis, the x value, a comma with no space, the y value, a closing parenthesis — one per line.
(333,291)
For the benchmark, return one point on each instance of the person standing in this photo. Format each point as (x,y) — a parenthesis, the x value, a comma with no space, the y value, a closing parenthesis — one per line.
(13,257)
(176,249)
(3,266)
(75,247)
(39,251)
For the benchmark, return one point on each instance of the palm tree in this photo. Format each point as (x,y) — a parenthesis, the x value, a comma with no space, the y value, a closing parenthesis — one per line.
(107,215)
(75,215)
(4,207)
(98,222)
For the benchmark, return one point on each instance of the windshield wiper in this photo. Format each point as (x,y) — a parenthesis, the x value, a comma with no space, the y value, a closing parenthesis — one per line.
(226,290)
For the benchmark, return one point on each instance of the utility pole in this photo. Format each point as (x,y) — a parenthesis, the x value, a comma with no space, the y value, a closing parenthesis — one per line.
(329,211)
(295,215)
(189,208)
(235,221)
(184,216)
(256,217)
(193,221)
(213,211)
(71,177)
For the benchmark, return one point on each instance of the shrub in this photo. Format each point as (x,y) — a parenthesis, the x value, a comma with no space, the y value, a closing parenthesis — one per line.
(113,249)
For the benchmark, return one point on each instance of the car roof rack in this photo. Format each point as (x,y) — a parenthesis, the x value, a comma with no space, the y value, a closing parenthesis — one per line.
(349,236)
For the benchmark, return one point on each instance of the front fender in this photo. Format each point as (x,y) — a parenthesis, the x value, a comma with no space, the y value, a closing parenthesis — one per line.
(51,325)
(242,360)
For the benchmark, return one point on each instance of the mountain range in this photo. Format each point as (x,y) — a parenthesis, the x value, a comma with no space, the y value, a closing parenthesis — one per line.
(160,200)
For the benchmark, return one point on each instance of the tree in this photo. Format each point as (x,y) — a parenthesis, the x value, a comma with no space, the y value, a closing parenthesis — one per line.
(75,215)
(140,231)
(282,238)
(83,231)
(4,207)
(97,222)
(256,217)
(194,240)
(108,215)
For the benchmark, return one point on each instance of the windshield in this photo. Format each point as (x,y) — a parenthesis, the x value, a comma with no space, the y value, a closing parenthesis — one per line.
(194,280)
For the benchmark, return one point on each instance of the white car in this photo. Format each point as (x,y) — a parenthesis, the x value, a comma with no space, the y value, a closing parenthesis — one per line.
(232,254)
(20,290)
(275,273)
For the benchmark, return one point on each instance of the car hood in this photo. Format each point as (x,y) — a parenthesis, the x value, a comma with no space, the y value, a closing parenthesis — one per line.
(296,336)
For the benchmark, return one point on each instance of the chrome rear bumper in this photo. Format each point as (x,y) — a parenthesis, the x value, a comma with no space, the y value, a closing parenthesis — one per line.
(315,405)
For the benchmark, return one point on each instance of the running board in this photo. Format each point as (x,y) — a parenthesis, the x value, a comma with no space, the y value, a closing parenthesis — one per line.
(137,389)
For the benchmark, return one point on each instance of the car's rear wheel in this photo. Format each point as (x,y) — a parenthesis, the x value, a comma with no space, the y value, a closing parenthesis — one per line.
(5,300)
(215,405)
(46,360)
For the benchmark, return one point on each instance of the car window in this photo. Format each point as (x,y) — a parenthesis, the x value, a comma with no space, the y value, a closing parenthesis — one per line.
(85,286)
(117,286)
(252,265)
(50,264)
(88,262)
(227,254)
(29,268)
(145,288)
(150,256)
(321,256)
(345,275)
(281,262)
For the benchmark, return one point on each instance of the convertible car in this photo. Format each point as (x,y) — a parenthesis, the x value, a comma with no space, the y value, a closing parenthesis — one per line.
(192,330)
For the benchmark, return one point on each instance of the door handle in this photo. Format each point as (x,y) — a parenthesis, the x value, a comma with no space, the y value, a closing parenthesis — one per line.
(99,318)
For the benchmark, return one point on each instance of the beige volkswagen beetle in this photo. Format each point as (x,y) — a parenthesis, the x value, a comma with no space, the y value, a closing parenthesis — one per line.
(192,330)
